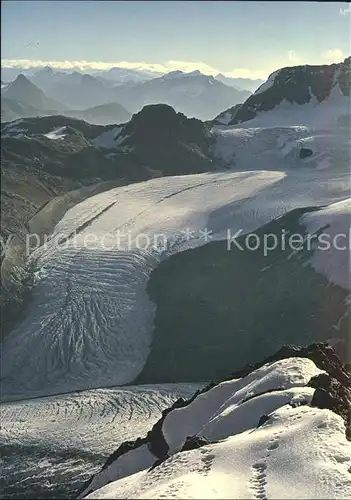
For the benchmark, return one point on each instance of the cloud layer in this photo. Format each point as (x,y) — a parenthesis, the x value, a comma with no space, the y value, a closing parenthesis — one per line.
(290,59)
(186,66)
(333,55)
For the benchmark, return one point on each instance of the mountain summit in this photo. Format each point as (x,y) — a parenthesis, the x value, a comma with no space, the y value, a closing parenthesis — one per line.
(22,90)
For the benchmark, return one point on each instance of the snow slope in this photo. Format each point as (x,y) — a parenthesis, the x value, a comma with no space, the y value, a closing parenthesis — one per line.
(238,404)
(90,320)
(326,114)
(268,83)
(299,451)
(256,147)
(333,258)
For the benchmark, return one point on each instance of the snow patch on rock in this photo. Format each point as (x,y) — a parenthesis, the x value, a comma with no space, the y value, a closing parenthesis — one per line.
(56,134)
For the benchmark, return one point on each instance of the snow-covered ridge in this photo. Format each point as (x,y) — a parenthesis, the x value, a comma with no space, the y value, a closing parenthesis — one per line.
(265,435)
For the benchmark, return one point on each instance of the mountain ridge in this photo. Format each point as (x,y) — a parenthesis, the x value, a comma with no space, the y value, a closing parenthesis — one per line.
(194,94)
(296,85)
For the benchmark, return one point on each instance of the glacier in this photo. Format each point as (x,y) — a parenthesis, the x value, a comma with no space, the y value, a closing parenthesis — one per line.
(89,322)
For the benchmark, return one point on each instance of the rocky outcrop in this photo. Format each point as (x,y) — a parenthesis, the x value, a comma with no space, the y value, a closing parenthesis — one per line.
(305,153)
(334,395)
(194,442)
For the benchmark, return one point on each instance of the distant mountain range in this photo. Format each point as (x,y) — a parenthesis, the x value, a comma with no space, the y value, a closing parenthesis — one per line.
(119,76)
(12,110)
(240,83)
(76,90)
(104,114)
(194,94)
(123,75)
(22,98)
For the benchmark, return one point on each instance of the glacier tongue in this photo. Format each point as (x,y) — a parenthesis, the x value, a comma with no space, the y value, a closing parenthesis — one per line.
(89,323)
(90,320)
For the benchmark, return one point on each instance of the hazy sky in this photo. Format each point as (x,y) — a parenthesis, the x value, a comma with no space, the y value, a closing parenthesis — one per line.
(239,38)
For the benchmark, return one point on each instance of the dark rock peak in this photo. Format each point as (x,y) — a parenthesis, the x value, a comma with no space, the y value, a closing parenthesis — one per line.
(194,442)
(305,153)
(161,119)
(22,88)
(155,113)
(332,394)
(21,79)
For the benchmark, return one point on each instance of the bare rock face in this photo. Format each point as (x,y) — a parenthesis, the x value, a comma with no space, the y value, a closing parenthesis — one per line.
(332,394)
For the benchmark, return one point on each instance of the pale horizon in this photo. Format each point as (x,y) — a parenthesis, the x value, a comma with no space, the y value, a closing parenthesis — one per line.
(237,39)
(162,68)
